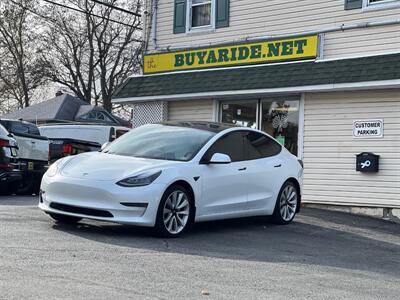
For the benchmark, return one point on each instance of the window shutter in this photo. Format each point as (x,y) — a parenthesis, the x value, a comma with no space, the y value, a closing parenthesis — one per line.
(222,14)
(180,16)
(352,4)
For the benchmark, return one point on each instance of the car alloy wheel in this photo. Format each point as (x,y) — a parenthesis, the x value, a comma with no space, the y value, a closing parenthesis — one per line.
(288,202)
(176,212)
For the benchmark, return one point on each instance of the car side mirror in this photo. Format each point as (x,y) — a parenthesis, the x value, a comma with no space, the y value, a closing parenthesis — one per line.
(104,145)
(219,158)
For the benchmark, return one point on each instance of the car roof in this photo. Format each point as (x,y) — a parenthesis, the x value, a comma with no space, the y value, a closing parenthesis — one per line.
(202,125)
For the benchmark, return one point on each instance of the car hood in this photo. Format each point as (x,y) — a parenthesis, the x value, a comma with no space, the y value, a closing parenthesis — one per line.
(102,166)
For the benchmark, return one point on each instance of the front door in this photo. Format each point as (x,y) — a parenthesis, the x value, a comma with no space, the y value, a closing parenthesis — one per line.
(224,186)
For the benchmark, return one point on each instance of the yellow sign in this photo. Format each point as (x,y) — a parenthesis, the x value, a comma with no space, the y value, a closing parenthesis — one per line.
(251,53)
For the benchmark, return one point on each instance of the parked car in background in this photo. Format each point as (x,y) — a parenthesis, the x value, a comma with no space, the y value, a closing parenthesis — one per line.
(83,132)
(10,173)
(170,175)
(70,139)
(33,153)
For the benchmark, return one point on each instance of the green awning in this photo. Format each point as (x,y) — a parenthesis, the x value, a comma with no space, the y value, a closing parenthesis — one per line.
(273,76)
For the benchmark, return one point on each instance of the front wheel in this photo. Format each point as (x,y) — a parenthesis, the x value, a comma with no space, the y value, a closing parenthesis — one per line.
(175,212)
(286,204)
(65,218)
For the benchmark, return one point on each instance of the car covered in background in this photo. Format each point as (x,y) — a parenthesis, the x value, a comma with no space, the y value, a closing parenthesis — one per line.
(10,173)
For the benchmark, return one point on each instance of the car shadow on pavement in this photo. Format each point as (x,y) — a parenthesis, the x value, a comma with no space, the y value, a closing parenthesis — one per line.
(314,238)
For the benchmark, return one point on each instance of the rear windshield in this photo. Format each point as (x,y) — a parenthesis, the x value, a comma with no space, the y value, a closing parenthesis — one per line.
(3,131)
(23,128)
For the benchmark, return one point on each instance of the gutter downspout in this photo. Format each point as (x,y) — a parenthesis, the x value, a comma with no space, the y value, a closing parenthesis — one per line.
(341,27)
(154,24)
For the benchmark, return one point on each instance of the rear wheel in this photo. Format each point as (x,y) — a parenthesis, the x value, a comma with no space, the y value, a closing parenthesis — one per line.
(64,218)
(175,212)
(286,204)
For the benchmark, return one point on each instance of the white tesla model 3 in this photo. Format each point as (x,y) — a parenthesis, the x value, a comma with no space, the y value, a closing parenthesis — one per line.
(170,175)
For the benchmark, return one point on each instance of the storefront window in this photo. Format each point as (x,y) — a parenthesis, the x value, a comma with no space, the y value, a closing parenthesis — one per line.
(280,119)
(240,113)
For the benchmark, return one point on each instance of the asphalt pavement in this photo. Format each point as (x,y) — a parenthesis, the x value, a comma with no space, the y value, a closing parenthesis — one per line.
(321,255)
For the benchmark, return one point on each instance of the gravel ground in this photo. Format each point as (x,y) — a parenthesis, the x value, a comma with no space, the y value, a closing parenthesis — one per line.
(322,255)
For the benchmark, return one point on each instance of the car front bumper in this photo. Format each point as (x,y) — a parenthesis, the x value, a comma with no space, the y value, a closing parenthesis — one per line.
(101,200)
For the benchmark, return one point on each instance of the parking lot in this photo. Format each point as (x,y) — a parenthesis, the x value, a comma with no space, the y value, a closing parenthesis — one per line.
(323,254)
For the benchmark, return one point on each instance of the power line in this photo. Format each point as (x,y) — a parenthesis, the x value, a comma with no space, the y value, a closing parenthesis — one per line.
(88,13)
(116,8)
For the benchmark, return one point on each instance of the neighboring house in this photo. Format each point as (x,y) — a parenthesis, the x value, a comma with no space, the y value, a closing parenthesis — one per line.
(65,108)
(303,71)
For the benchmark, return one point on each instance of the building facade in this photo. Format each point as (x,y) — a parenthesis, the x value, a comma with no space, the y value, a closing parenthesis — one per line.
(322,77)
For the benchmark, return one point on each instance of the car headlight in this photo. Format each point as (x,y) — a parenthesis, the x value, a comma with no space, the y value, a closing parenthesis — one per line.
(139,180)
(52,170)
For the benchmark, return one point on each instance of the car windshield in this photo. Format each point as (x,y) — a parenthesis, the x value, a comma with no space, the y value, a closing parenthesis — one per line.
(161,142)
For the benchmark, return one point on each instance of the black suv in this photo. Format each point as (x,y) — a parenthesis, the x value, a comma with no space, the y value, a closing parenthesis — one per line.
(10,173)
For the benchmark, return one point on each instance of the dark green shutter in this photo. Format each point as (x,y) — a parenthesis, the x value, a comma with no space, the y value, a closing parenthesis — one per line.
(180,16)
(222,14)
(352,4)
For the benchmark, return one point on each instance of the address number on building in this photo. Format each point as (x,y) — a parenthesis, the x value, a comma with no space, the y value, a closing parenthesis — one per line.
(368,129)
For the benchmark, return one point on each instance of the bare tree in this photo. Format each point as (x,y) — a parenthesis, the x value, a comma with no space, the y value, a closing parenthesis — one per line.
(93,52)
(21,68)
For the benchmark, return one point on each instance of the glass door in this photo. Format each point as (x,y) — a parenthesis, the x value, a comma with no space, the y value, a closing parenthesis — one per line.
(280,119)
(277,116)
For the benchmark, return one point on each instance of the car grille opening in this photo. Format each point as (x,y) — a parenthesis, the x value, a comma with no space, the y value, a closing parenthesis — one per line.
(81,210)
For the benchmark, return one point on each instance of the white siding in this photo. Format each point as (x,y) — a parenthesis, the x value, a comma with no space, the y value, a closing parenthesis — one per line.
(329,148)
(255,18)
(191,110)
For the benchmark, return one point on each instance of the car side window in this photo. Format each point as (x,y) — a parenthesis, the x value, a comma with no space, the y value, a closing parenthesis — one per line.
(258,145)
(32,129)
(19,128)
(230,144)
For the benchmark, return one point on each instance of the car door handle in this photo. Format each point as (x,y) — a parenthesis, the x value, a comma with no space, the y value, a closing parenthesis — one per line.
(242,169)
(278,166)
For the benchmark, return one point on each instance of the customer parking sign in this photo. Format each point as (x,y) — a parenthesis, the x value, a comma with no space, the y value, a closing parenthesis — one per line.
(368,129)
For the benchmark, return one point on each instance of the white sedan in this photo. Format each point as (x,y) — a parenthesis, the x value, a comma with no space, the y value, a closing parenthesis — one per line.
(170,175)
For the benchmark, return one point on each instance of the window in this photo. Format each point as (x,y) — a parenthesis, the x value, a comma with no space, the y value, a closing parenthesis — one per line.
(243,113)
(96,115)
(3,131)
(258,145)
(200,12)
(230,144)
(200,15)
(161,142)
(277,116)
(371,4)
(280,119)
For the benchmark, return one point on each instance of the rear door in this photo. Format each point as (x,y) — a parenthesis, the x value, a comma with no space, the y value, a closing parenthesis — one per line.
(264,169)
(224,186)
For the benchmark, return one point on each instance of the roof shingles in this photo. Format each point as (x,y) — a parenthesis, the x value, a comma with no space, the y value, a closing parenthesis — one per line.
(383,67)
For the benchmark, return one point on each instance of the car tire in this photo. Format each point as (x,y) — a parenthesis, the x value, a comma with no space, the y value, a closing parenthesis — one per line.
(6,190)
(175,212)
(65,219)
(25,187)
(286,204)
